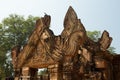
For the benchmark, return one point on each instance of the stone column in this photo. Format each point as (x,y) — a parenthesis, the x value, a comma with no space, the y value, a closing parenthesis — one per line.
(33,73)
(17,73)
(55,72)
(67,71)
(25,73)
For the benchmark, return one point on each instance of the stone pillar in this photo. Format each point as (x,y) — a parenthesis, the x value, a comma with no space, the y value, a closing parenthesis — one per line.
(33,73)
(25,73)
(67,71)
(17,73)
(55,72)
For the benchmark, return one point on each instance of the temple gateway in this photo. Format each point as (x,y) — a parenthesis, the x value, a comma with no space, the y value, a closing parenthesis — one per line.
(72,55)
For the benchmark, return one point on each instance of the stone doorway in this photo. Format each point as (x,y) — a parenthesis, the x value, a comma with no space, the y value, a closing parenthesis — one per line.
(43,74)
(34,74)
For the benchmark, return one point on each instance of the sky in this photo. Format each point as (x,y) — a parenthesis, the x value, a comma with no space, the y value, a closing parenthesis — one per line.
(95,14)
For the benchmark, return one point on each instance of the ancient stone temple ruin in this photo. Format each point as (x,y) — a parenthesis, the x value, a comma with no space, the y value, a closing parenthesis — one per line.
(72,55)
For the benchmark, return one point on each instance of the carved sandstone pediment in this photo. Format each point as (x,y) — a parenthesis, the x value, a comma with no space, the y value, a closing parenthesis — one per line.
(43,48)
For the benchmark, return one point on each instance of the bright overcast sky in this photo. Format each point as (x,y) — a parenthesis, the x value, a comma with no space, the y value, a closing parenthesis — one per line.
(95,14)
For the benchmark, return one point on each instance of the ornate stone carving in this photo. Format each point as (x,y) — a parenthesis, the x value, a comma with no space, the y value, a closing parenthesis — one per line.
(77,56)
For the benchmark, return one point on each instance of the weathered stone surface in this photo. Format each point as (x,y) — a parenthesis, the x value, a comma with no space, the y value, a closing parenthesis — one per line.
(69,56)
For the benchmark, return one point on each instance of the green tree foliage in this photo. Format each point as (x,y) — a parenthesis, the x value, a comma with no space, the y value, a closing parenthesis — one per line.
(42,72)
(112,50)
(95,35)
(14,30)
(17,29)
